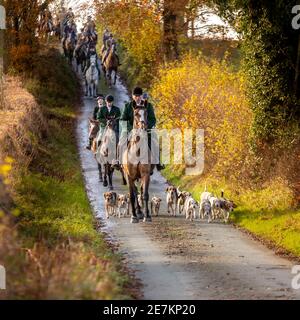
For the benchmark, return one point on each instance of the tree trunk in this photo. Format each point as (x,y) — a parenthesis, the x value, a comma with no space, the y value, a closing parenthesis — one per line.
(170,34)
(173,19)
(193,28)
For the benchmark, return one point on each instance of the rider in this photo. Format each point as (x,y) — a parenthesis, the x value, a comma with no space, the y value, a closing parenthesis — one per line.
(108,111)
(90,24)
(138,98)
(46,16)
(92,51)
(111,42)
(70,28)
(106,36)
(70,15)
(100,104)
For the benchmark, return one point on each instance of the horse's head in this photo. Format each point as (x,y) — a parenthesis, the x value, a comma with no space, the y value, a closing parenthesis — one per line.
(94,127)
(111,122)
(93,60)
(140,118)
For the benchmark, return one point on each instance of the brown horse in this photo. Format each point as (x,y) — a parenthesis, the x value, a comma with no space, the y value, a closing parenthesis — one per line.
(135,170)
(110,65)
(69,47)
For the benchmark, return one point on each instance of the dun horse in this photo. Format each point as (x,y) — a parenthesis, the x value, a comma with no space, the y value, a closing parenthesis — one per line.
(134,170)
(106,153)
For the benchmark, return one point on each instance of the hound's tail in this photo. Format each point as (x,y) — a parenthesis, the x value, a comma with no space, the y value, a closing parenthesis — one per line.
(205,189)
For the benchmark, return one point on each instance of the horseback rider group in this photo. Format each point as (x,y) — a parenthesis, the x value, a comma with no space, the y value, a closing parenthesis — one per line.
(106,110)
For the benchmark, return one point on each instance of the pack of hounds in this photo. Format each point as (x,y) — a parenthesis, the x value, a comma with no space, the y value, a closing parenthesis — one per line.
(179,202)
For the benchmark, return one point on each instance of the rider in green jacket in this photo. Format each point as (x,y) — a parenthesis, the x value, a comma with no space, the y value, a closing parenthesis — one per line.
(128,116)
(106,112)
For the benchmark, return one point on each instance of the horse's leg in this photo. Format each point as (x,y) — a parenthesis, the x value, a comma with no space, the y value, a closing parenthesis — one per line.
(123,177)
(105,183)
(145,186)
(86,88)
(115,77)
(139,211)
(134,218)
(100,172)
(110,80)
(95,90)
(110,176)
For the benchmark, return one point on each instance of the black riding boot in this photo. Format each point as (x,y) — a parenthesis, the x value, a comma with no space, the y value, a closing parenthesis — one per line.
(160,167)
(89,146)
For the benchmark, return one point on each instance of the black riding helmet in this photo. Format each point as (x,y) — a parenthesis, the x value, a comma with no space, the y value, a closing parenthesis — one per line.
(110,98)
(100,97)
(137,91)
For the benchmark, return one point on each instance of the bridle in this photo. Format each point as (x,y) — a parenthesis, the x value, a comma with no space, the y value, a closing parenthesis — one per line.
(144,120)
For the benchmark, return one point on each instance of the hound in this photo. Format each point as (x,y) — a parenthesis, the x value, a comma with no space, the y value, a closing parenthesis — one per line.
(182,196)
(123,205)
(190,208)
(172,199)
(110,199)
(215,207)
(205,205)
(155,206)
(227,206)
(205,210)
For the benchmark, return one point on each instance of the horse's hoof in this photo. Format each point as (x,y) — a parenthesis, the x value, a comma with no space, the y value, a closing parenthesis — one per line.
(124,183)
(101,179)
(111,188)
(105,184)
(134,220)
(148,219)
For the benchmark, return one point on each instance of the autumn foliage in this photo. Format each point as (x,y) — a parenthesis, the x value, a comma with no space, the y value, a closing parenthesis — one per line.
(136,25)
(21,39)
(206,94)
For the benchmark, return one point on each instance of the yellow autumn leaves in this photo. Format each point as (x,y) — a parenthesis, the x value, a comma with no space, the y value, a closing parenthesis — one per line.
(138,30)
(5,168)
(207,94)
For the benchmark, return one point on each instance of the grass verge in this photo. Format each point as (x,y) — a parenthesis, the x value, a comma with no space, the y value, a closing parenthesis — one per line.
(56,251)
